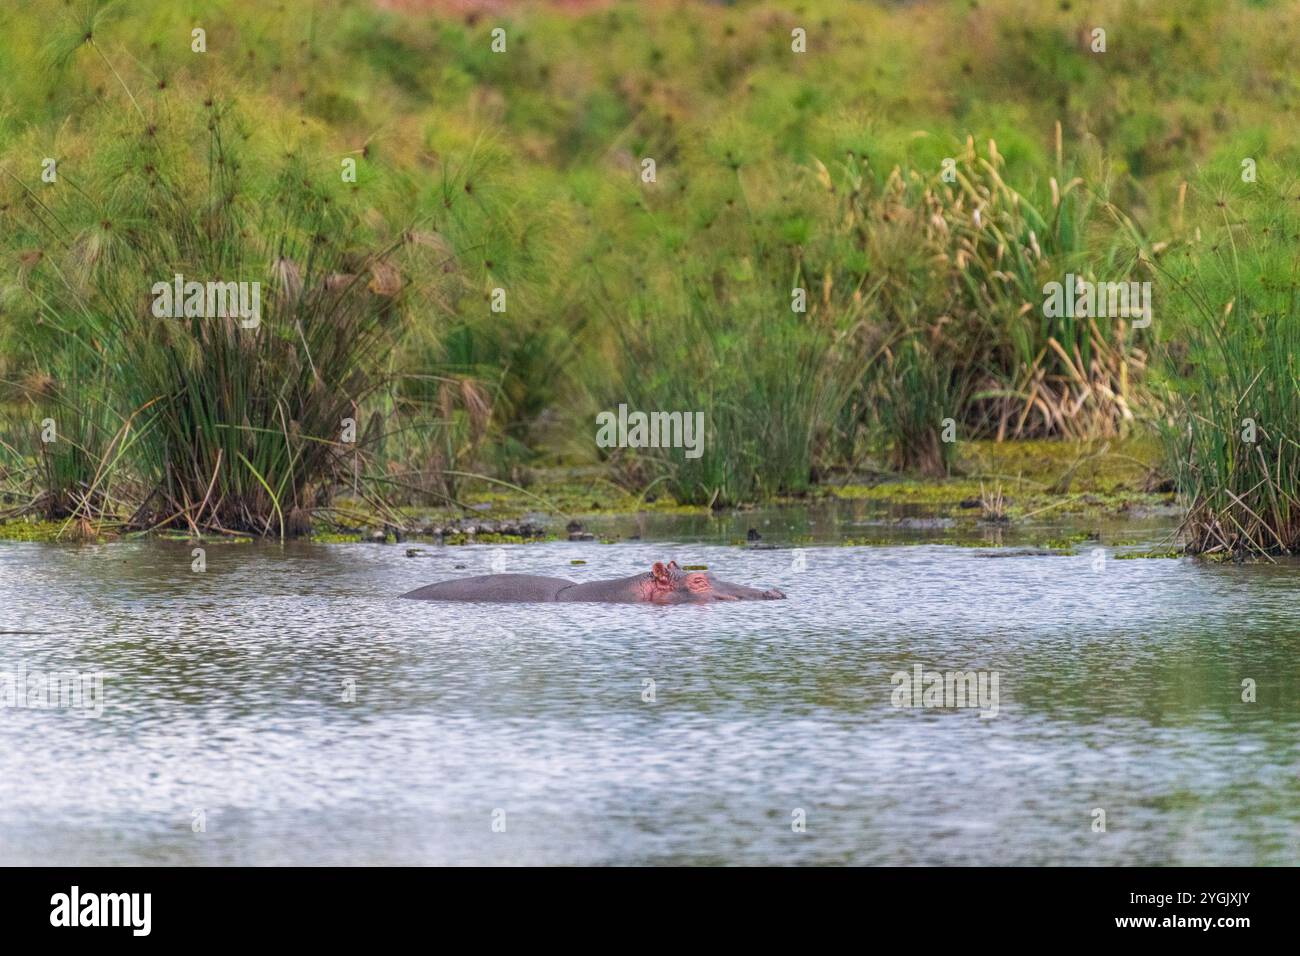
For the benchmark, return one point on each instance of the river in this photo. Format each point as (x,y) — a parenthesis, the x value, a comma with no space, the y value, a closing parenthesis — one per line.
(283,706)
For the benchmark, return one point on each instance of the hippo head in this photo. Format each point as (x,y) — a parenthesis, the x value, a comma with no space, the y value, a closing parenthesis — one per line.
(669,584)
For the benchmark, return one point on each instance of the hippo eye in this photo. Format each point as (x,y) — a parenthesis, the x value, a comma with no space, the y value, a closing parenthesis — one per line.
(697,582)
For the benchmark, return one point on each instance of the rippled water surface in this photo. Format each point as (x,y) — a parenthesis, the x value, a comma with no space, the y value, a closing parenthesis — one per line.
(225,704)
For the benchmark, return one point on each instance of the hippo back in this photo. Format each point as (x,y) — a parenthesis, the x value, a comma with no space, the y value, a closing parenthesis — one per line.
(492,587)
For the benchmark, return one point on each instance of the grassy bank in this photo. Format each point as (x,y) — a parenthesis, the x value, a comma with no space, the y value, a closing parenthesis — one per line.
(1004,486)
(837,256)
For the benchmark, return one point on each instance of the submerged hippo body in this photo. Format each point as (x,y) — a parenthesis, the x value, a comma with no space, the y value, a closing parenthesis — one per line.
(663,584)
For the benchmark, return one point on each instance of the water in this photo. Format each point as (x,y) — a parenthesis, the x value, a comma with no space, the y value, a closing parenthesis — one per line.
(224,712)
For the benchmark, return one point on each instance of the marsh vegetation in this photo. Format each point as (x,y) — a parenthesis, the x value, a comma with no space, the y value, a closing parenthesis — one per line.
(462,261)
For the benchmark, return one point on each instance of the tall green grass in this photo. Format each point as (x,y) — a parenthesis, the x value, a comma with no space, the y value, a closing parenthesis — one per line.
(1234,359)
(233,427)
(768,386)
(520,171)
(963,266)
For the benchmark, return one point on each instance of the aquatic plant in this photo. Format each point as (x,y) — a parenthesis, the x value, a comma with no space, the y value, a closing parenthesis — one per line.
(1233,442)
(960,268)
(920,219)
(237,417)
(763,383)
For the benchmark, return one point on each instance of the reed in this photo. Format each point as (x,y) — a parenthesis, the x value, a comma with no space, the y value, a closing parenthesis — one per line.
(235,423)
(522,172)
(1233,375)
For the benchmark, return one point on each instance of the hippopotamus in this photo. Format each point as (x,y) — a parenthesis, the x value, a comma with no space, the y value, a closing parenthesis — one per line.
(662,584)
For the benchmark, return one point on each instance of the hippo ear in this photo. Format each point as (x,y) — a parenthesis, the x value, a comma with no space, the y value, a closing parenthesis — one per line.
(660,573)
(674,566)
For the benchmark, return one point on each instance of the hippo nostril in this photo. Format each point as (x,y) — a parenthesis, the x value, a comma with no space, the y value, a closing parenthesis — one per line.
(773,595)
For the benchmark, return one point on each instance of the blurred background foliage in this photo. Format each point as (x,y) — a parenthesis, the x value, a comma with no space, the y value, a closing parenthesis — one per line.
(522,171)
